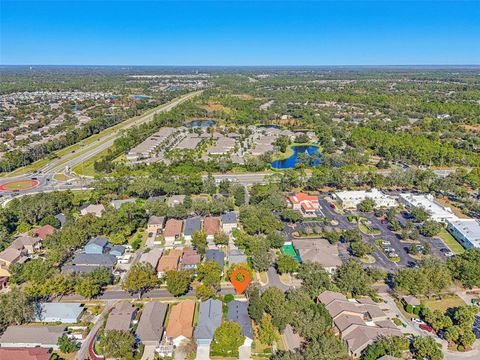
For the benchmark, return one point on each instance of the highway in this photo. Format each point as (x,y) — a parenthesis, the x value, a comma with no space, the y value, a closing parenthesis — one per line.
(45,175)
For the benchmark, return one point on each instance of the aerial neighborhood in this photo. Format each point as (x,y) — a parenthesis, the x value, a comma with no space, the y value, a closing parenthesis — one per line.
(260,214)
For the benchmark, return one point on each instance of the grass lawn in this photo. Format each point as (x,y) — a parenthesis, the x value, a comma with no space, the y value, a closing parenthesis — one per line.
(86,168)
(264,277)
(366,230)
(445,303)
(453,244)
(367,259)
(61,177)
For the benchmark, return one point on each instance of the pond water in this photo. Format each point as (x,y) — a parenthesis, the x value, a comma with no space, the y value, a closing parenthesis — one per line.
(293,160)
(203,123)
(268,126)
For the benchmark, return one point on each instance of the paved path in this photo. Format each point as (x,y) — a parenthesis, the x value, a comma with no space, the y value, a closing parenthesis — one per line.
(82,353)
(292,341)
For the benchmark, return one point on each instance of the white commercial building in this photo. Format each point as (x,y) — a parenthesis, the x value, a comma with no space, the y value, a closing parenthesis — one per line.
(466,231)
(351,199)
(437,211)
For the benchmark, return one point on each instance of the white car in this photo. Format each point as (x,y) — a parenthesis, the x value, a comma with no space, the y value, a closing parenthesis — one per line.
(418,321)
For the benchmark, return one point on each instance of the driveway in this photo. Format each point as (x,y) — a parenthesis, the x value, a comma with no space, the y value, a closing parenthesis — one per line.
(244,352)
(149,352)
(292,341)
(392,311)
(203,352)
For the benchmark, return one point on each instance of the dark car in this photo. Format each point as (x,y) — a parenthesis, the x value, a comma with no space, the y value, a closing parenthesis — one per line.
(444,250)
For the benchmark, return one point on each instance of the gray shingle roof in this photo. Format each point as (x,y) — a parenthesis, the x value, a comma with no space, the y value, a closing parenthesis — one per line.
(209,319)
(217,256)
(192,224)
(238,312)
(94,260)
(44,335)
(99,241)
(229,218)
(150,326)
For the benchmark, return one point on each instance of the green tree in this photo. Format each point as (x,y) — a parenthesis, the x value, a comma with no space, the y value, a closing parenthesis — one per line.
(210,274)
(117,344)
(87,287)
(464,267)
(366,205)
(427,348)
(352,278)
(275,239)
(141,278)
(220,238)
(419,214)
(312,322)
(267,333)
(431,228)
(315,278)
(467,338)
(16,308)
(286,264)
(391,346)
(178,282)
(290,215)
(361,249)
(277,306)
(256,305)
(204,292)
(227,339)
(239,195)
(328,347)
(199,241)
(67,345)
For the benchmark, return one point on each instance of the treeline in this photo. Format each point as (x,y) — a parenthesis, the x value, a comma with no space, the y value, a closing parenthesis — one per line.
(415,149)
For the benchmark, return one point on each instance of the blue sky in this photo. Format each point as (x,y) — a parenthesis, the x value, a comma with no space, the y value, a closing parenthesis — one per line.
(239,32)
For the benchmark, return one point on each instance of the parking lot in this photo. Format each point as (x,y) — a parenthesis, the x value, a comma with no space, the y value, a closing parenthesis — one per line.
(391,244)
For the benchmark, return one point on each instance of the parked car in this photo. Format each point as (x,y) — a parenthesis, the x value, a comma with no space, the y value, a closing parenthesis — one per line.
(426,327)
(418,321)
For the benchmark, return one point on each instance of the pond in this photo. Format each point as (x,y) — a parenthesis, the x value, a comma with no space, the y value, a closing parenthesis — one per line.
(268,126)
(311,152)
(203,123)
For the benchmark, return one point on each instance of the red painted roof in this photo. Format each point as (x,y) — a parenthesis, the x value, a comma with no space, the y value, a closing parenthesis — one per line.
(301,197)
(44,231)
(24,354)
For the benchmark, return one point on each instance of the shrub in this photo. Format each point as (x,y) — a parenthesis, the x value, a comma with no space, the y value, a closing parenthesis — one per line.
(227,298)
(409,308)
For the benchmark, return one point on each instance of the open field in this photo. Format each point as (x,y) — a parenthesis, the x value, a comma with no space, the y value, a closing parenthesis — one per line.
(444,304)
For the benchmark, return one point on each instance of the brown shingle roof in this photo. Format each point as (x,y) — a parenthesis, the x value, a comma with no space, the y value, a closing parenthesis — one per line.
(120,317)
(181,319)
(173,227)
(211,225)
(44,231)
(167,263)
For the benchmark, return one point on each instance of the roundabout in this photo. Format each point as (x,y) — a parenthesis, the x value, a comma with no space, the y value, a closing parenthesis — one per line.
(19,185)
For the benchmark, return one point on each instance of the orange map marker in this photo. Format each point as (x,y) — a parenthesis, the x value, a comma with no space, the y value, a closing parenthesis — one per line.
(240,279)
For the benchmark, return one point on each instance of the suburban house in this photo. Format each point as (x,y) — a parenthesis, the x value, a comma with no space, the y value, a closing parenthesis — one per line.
(236,256)
(172,231)
(209,319)
(117,204)
(238,312)
(96,245)
(116,250)
(180,323)
(229,222)
(96,210)
(175,200)
(86,263)
(12,256)
(120,317)
(358,322)
(28,243)
(211,225)
(152,257)
(150,327)
(44,231)
(319,251)
(192,224)
(25,354)
(67,313)
(216,255)
(190,259)
(169,262)
(155,224)
(24,336)
(410,300)
(306,204)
